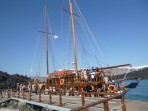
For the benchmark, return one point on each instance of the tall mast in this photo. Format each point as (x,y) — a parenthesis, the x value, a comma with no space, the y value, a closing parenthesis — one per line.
(74,40)
(46,33)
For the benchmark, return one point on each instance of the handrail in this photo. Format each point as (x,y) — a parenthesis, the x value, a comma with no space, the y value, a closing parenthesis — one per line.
(100,101)
(84,106)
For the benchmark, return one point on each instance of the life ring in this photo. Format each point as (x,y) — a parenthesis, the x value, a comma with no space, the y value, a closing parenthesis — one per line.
(61,81)
(111,88)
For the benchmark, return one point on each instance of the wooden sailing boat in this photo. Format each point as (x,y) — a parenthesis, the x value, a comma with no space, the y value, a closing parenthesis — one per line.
(70,79)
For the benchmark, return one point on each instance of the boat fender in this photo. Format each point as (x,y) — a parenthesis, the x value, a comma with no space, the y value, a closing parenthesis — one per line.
(62,81)
(111,88)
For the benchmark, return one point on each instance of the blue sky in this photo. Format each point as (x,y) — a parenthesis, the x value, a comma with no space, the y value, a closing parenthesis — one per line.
(119,27)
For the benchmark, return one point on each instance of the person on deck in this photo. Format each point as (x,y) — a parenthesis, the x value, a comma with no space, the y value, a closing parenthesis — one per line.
(109,76)
(92,74)
(100,75)
(122,86)
(82,76)
(85,75)
(92,70)
(101,89)
(106,81)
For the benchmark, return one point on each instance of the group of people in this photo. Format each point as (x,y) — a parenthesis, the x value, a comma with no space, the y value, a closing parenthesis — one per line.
(22,87)
(94,74)
(36,87)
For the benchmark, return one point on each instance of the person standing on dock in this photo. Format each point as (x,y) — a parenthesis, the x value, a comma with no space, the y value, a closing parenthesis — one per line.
(18,88)
(43,88)
(21,88)
(29,86)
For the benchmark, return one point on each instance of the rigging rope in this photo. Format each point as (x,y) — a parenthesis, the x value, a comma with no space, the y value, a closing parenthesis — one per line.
(80,21)
(83,27)
(89,30)
(31,69)
(127,73)
(68,46)
(84,59)
(38,39)
(39,66)
(52,48)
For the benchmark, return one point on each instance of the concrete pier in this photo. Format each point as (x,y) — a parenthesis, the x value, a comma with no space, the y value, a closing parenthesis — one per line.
(136,105)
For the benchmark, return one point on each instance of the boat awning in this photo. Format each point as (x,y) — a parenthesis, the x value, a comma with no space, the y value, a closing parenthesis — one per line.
(62,73)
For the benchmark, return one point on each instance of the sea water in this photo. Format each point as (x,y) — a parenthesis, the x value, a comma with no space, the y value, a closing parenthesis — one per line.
(138,93)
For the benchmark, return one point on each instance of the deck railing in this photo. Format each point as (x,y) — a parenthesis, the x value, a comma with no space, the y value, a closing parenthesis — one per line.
(107,97)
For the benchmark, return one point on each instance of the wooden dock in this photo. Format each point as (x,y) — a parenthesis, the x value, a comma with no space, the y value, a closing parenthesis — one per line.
(75,102)
(72,103)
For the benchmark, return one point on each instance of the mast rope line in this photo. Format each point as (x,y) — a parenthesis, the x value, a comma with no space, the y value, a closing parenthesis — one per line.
(94,62)
(82,25)
(89,30)
(39,65)
(38,39)
(84,51)
(32,64)
(80,21)
(54,52)
(68,46)
(127,72)
(84,29)
(69,43)
(83,55)
(89,42)
(67,52)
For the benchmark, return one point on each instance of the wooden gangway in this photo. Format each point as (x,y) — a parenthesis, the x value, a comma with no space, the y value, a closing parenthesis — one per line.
(59,101)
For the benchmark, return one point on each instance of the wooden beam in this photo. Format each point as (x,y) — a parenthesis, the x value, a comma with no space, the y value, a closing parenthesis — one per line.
(83,99)
(60,99)
(50,97)
(110,67)
(105,104)
(123,103)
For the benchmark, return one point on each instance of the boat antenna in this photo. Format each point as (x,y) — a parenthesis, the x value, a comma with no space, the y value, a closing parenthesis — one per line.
(74,40)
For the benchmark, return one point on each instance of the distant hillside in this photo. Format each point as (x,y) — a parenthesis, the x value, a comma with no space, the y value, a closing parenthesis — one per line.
(10,81)
(42,79)
(143,73)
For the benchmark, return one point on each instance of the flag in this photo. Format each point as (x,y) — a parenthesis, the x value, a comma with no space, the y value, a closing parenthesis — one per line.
(55,36)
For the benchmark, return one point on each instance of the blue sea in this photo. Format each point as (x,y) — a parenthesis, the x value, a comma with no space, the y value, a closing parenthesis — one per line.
(139,93)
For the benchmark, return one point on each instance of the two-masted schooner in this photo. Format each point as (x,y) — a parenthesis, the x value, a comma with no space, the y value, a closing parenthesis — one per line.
(78,80)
